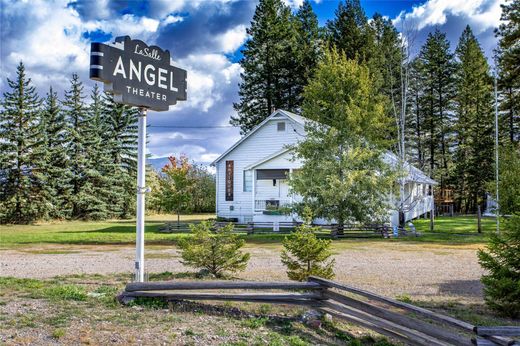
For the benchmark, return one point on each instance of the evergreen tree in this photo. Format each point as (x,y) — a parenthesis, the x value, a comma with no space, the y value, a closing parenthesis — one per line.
(121,139)
(99,197)
(268,80)
(56,169)
(390,71)
(304,254)
(415,118)
(436,67)
(501,259)
(474,126)
(76,115)
(214,249)
(350,32)
(23,199)
(307,48)
(509,71)
(343,176)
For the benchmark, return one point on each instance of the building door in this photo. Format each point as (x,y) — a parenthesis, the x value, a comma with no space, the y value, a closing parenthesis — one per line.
(284,189)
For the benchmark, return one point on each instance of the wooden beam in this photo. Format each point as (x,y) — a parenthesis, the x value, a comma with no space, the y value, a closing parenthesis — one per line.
(214,284)
(381,325)
(437,332)
(290,298)
(409,307)
(498,331)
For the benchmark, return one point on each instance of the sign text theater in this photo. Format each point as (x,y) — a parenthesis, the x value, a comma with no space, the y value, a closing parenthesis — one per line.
(138,74)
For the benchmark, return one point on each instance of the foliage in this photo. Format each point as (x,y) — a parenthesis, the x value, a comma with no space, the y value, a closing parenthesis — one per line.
(176,185)
(216,250)
(23,196)
(350,32)
(435,67)
(509,182)
(474,126)
(344,176)
(508,54)
(277,60)
(305,255)
(502,261)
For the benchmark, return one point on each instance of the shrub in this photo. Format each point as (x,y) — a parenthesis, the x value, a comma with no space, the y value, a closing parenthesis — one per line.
(305,255)
(212,249)
(502,261)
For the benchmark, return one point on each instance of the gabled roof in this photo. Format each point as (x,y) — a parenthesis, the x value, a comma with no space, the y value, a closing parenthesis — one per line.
(267,158)
(294,117)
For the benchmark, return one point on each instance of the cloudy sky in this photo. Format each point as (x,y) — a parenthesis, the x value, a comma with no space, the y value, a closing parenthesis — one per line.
(53,38)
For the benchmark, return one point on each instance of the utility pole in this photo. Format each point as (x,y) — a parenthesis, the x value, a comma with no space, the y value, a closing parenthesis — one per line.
(496,157)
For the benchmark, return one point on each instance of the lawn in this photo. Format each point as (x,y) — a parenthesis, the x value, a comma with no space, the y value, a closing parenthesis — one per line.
(459,229)
(90,232)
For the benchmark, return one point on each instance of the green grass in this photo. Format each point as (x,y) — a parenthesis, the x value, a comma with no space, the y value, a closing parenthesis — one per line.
(90,232)
(450,230)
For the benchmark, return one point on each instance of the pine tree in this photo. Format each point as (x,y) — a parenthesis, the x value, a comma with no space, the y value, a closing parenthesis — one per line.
(350,32)
(20,129)
(304,254)
(99,197)
(474,126)
(76,115)
(390,72)
(306,49)
(121,138)
(436,67)
(214,249)
(56,169)
(415,118)
(509,71)
(268,63)
(343,177)
(501,259)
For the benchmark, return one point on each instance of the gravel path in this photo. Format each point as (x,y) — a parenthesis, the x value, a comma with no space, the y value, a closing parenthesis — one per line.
(422,271)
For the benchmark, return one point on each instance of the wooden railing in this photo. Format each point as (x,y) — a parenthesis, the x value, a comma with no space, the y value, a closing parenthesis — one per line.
(398,320)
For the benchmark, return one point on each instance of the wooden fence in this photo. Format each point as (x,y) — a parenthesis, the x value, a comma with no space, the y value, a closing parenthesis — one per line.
(400,321)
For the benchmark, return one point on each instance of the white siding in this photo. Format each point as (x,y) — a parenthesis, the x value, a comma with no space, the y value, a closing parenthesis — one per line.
(264,142)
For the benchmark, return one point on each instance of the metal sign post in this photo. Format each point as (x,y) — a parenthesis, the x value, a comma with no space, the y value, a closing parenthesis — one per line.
(142,76)
(141,190)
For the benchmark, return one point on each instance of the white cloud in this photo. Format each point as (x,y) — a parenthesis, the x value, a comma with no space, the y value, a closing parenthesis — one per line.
(480,14)
(232,39)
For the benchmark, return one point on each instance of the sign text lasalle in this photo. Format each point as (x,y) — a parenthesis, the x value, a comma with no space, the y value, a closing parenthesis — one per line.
(138,75)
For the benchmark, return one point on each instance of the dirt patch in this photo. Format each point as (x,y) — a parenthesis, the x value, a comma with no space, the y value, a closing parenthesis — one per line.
(421,271)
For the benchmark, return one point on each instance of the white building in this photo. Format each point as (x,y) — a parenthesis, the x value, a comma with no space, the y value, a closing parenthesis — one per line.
(251,175)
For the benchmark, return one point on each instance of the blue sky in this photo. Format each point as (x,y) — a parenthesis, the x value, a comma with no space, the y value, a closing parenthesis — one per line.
(53,39)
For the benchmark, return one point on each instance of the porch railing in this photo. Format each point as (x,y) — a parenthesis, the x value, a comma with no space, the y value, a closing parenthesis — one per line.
(271,204)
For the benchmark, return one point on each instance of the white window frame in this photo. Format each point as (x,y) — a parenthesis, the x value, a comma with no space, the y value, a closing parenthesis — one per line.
(245,186)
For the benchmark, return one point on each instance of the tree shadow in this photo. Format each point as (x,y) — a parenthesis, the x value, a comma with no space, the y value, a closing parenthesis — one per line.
(465,288)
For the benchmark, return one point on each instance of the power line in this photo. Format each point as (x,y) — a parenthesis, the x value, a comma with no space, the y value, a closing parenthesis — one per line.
(192,127)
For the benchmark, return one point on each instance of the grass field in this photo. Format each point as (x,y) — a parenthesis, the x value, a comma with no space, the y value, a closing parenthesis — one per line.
(460,229)
(71,309)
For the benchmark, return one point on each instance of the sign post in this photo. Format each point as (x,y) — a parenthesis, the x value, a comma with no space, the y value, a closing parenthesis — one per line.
(142,76)
(141,190)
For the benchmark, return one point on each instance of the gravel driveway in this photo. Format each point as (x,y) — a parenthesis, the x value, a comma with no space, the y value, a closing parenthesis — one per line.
(421,271)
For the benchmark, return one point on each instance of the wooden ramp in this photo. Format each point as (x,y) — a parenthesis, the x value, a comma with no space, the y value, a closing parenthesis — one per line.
(404,322)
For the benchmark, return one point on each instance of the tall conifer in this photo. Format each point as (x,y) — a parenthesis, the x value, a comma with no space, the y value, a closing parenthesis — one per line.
(509,71)
(474,109)
(23,199)
(57,162)
(268,64)
(436,67)
(121,138)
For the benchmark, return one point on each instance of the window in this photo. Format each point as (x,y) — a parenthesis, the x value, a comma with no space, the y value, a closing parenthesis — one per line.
(248,181)
(281,126)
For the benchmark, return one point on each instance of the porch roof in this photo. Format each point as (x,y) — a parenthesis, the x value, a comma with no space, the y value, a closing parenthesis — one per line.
(267,158)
